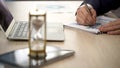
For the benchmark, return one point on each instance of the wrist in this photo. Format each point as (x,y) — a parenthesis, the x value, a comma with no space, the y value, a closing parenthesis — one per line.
(82,5)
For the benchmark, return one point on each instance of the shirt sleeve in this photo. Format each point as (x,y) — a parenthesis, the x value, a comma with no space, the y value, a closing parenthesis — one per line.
(103,6)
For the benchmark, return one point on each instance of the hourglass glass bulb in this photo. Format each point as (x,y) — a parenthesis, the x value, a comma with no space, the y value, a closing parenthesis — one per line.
(37,24)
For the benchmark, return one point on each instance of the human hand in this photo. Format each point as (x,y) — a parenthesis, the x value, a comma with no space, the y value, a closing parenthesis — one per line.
(84,17)
(112,28)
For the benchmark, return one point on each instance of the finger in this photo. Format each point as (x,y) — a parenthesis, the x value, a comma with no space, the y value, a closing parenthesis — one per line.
(91,16)
(112,28)
(112,23)
(92,19)
(81,17)
(106,28)
(86,16)
(78,15)
(116,32)
(81,21)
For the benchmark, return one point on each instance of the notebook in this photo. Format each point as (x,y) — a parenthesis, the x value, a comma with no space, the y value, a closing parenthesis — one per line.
(101,20)
(19,30)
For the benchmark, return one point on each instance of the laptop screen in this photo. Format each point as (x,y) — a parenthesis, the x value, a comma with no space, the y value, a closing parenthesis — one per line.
(5,16)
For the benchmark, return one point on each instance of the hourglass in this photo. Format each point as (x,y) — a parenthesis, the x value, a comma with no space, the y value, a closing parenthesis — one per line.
(37,34)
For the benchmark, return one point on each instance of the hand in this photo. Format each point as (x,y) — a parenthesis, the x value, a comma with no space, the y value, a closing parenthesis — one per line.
(112,28)
(85,18)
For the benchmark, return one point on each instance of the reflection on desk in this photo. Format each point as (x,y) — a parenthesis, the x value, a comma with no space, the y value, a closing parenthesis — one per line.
(21,59)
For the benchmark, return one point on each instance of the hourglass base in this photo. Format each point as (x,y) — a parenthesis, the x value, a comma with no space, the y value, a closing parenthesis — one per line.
(37,54)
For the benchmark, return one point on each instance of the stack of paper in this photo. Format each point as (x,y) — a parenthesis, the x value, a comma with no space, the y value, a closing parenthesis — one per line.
(101,20)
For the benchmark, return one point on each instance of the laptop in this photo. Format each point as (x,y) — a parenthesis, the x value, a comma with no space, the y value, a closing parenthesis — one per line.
(19,30)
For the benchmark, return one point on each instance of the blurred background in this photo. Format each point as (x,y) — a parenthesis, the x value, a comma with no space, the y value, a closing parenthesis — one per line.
(43,0)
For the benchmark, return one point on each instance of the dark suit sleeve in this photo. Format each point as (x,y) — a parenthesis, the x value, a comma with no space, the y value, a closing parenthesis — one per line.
(103,6)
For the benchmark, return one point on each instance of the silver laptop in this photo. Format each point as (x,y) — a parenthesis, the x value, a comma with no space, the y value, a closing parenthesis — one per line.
(19,30)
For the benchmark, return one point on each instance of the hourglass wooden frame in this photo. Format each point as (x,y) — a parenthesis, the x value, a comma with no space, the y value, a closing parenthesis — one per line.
(36,14)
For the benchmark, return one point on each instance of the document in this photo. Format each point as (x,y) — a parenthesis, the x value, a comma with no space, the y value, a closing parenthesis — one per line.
(101,20)
(56,7)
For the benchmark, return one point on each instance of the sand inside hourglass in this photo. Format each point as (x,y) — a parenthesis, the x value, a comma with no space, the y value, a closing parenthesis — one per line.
(37,24)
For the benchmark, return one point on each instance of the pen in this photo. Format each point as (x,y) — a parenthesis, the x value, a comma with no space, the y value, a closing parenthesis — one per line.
(87,8)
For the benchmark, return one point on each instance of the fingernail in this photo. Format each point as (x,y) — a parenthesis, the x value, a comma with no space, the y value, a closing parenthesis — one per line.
(99,27)
(110,33)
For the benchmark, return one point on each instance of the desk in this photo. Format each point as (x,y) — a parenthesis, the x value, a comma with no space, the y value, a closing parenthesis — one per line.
(91,51)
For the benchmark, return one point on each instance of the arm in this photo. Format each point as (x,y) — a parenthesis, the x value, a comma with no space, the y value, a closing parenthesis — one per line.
(103,6)
(99,7)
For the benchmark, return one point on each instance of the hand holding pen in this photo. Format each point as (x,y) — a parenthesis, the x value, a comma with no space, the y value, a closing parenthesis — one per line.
(86,15)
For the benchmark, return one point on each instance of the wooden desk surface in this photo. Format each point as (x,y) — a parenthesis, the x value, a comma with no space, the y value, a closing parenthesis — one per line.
(91,50)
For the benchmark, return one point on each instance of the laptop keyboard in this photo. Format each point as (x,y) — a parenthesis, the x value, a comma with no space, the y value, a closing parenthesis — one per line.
(54,31)
(22,30)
